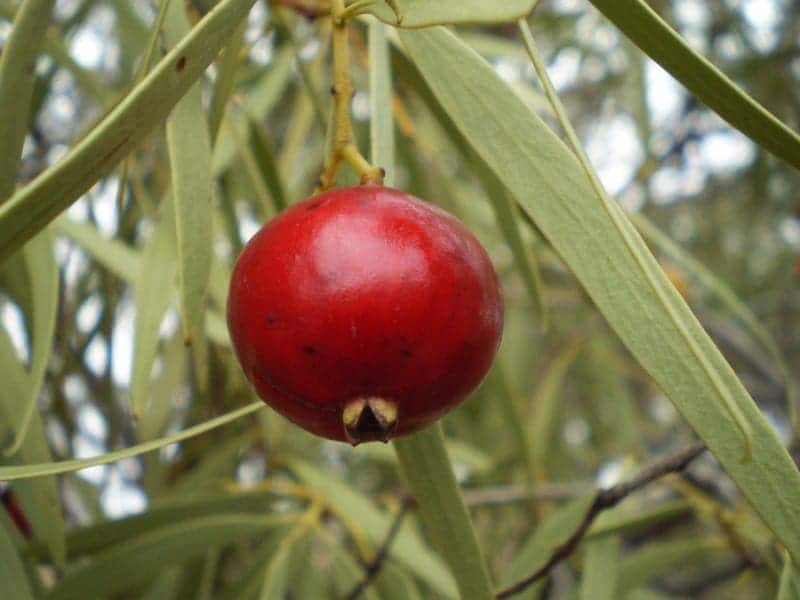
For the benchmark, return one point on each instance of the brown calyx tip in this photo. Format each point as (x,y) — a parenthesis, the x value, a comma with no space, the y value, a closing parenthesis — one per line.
(369,419)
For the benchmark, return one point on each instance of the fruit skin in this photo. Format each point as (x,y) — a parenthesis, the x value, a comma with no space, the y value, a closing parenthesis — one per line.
(359,294)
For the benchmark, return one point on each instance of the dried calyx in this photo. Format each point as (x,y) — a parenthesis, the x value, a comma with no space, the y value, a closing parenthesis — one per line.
(369,419)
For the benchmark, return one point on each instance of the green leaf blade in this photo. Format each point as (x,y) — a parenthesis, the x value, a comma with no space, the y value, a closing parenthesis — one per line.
(551,187)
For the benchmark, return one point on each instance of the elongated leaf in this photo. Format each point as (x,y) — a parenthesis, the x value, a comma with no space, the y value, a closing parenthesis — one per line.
(426,467)
(260,100)
(136,560)
(788,588)
(33,469)
(553,532)
(225,81)
(38,203)
(622,519)
(249,583)
(114,255)
(154,293)
(661,43)
(543,419)
(192,191)
(97,537)
(39,499)
(43,276)
(276,575)
(729,299)
(12,571)
(601,569)
(609,258)
(425,13)
(359,513)
(659,558)
(17,75)
(381,126)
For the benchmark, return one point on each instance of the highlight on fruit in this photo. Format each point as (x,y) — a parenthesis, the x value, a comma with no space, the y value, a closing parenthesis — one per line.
(363,313)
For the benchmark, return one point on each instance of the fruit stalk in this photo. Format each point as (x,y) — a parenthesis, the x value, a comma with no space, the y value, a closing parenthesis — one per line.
(426,467)
(343,147)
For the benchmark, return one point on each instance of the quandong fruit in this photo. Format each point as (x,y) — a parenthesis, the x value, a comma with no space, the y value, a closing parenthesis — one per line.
(364,313)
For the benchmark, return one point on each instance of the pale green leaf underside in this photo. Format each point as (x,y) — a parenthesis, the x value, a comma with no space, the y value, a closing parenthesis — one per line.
(661,43)
(189,148)
(147,105)
(547,181)
(425,13)
(17,76)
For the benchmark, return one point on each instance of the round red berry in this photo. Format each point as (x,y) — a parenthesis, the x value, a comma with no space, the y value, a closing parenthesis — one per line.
(364,313)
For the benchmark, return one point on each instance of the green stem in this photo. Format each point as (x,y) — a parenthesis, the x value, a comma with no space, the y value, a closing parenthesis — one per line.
(426,467)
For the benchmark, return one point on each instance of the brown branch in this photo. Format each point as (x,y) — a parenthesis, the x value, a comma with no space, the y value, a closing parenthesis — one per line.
(603,500)
(372,568)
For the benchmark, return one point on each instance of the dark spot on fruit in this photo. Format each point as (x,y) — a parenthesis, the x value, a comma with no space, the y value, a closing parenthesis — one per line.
(310,350)
(271,320)
(406,353)
(314,206)
(181,64)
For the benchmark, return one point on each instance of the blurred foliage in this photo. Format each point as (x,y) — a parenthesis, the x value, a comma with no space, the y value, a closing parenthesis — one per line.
(258,508)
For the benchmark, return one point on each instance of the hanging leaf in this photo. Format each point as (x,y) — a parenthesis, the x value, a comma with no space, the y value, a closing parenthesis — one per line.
(17,75)
(192,191)
(608,257)
(426,13)
(147,105)
(661,43)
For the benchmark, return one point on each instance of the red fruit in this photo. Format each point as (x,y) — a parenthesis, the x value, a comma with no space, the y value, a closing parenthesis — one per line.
(363,313)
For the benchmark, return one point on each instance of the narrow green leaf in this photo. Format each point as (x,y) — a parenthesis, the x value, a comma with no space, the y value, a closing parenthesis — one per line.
(548,536)
(154,292)
(393,583)
(189,148)
(507,213)
(165,586)
(601,569)
(609,258)
(17,76)
(114,255)
(276,575)
(40,500)
(426,467)
(38,203)
(31,469)
(361,515)
(268,165)
(136,560)
(623,520)
(165,389)
(731,301)
(542,422)
(426,13)
(12,571)
(788,587)
(261,98)
(659,558)
(661,43)
(101,535)
(381,125)
(249,583)
(43,276)
(226,80)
